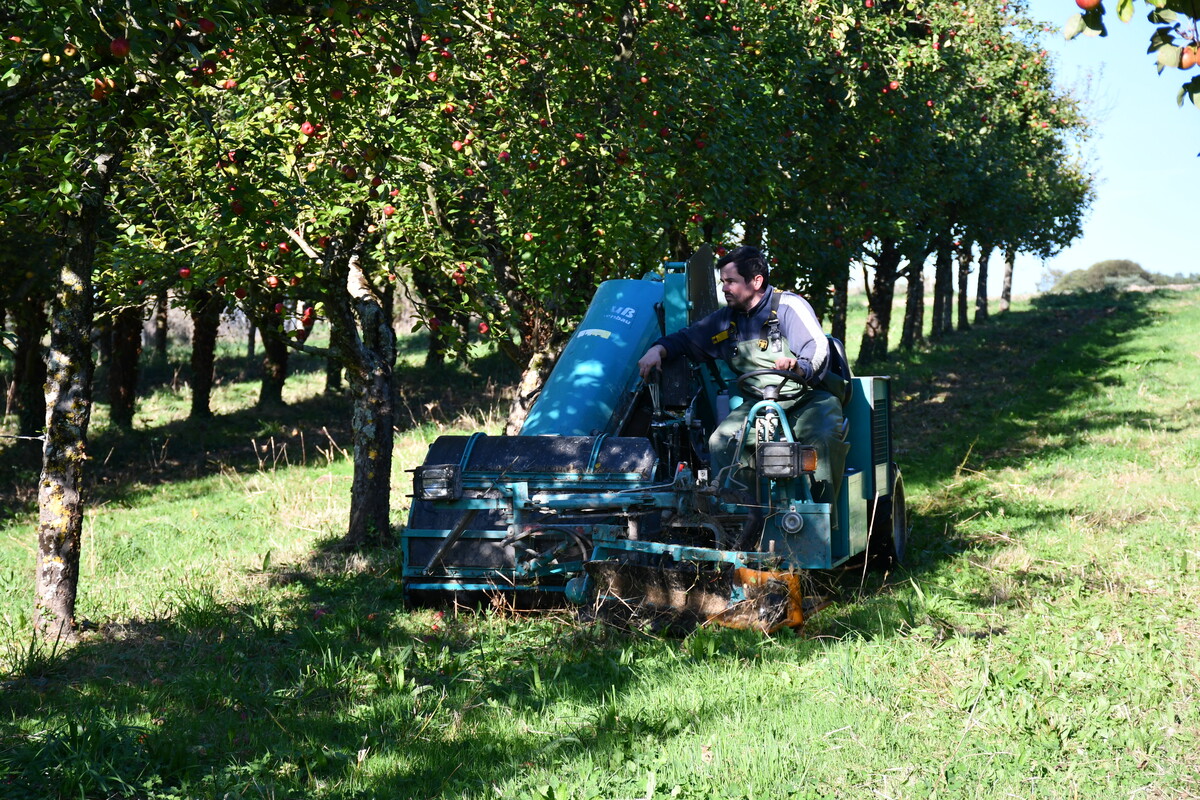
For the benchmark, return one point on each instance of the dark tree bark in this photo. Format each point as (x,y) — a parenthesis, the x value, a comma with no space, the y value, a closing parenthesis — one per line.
(69,407)
(275,361)
(533,378)
(943,291)
(914,307)
(880,295)
(964,275)
(160,327)
(123,365)
(432,286)
(206,320)
(841,301)
(251,337)
(363,337)
(26,394)
(1010,255)
(755,227)
(981,298)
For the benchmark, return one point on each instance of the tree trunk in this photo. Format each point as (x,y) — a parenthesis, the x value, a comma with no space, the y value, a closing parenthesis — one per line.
(943,291)
(874,347)
(981,298)
(752,234)
(1010,255)
(250,338)
(363,336)
(841,301)
(964,275)
(275,361)
(123,366)
(160,327)
(914,307)
(26,394)
(206,321)
(532,379)
(68,410)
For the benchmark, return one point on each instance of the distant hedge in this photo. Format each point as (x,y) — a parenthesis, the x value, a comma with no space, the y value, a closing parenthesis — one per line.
(1115,273)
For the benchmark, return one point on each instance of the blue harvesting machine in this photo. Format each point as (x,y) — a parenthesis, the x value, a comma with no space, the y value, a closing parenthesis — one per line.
(606,500)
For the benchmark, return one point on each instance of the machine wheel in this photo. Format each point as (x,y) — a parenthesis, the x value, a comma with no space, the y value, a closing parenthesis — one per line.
(889,531)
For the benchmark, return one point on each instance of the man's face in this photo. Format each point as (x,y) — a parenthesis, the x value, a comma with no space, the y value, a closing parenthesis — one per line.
(739,295)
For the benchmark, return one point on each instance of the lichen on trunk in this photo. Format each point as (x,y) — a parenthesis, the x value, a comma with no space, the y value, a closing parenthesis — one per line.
(64,451)
(363,339)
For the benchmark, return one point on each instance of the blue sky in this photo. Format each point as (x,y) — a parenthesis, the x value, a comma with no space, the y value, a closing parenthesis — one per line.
(1143,148)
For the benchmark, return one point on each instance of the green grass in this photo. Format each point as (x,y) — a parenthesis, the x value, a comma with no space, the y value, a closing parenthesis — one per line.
(1041,642)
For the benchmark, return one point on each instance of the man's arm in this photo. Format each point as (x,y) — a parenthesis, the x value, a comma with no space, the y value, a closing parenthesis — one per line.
(652,360)
(810,349)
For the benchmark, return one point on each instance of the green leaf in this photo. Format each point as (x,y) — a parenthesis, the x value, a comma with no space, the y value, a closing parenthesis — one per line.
(1168,56)
(1162,16)
(1125,10)
(1160,38)
(1094,22)
(1192,89)
(1073,27)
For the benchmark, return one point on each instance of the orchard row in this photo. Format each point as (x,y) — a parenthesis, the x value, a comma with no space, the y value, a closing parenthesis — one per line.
(496,161)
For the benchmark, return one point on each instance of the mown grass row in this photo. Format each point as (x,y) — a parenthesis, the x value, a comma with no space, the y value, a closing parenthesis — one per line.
(1040,643)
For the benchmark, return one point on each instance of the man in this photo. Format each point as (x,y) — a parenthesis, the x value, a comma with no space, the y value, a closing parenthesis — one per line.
(764,328)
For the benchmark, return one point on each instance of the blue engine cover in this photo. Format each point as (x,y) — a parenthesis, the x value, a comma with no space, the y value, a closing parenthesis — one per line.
(599,364)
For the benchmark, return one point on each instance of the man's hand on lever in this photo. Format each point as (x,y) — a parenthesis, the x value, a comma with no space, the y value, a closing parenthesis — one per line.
(652,361)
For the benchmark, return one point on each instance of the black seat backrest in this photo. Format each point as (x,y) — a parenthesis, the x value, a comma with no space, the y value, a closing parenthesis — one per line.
(840,365)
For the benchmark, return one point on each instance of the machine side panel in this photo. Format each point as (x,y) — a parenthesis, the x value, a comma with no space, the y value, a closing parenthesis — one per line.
(584,393)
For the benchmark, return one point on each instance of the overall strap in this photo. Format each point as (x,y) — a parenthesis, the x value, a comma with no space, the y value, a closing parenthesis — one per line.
(772,324)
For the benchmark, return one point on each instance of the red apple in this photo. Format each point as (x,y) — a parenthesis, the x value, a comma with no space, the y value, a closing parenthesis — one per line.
(185,273)
(483,327)
(528,237)
(206,25)
(323,242)
(337,94)
(1087,5)
(433,76)
(307,128)
(456,145)
(239,293)
(119,47)
(350,172)
(388,210)
(272,280)
(284,247)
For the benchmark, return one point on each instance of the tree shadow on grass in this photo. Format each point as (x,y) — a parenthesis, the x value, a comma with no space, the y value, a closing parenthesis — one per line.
(1003,394)
(128,464)
(284,696)
(328,686)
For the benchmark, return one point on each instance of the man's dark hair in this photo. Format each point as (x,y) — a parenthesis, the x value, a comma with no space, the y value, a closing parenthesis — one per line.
(748,261)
